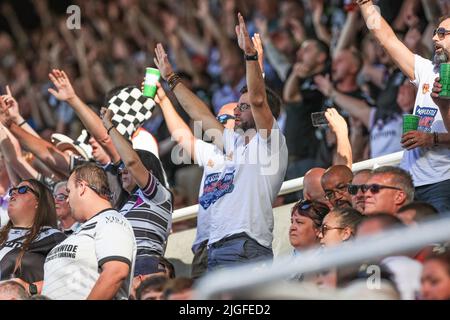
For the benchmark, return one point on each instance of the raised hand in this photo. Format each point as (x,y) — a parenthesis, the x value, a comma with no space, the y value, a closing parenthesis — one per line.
(243,38)
(336,122)
(5,116)
(257,43)
(160,93)
(162,62)
(324,84)
(106,115)
(64,90)
(11,104)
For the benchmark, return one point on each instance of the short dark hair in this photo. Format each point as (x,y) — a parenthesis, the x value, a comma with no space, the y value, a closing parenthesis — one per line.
(152,163)
(273,100)
(168,266)
(423,210)
(316,211)
(155,283)
(323,47)
(177,285)
(400,178)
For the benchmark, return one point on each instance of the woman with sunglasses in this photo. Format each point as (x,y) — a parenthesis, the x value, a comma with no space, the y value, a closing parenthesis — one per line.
(29,235)
(339,225)
(306,219)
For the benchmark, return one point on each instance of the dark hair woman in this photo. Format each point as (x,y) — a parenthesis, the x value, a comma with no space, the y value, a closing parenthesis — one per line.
(436,275)
(339,226)
(306,219)
(29,235)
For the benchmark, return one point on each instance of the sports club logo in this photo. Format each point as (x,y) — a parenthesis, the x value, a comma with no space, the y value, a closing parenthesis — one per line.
(427,116)
(425,88)
(215,188)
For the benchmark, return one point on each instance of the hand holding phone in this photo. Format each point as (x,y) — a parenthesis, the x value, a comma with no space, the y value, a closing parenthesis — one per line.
(319,119)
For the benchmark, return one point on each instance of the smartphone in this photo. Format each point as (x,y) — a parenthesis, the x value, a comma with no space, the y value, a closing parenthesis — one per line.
(319,119)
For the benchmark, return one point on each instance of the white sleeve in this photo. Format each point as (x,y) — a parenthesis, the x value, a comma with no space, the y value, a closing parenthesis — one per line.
(114,239)
(421,68)
(203,151)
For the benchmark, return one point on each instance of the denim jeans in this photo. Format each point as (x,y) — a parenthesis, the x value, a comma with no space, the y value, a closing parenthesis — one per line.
(236,250)
(436,194)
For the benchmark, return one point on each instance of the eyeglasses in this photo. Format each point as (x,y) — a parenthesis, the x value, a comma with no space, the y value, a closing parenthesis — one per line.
(375,188)
(441,32)
(331,194)
(242,107)
(22,190)
(353,188)
(324,229)
(60,197)
(223,118)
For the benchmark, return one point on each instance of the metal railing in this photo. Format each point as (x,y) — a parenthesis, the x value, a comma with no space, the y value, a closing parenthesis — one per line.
(237,279)
(295,185)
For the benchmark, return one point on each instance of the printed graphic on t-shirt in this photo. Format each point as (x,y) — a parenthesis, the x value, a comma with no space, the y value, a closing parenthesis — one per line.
(427,115)
(215,188)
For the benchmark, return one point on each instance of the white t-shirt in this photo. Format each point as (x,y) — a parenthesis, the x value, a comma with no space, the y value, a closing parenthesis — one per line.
(407,273)
(427,165)
(385,137)
(242,191)
(212,159)
(73,267)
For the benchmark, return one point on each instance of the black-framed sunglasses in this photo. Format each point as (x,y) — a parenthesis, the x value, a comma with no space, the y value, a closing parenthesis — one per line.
(375,188)
(318,207)
(22,190)
(242,107)
(441,32)
(223,118)
(353,189)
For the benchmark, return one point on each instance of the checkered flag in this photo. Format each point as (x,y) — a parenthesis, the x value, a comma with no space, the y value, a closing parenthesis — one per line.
(130,109)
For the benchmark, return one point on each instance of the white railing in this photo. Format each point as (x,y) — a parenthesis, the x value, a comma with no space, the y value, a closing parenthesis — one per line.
(365,249)
(295,185)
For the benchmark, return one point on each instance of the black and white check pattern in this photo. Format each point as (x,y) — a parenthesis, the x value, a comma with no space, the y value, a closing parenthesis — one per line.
(130,109)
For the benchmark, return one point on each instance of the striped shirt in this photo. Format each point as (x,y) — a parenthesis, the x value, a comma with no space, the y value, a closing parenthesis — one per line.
(149,211)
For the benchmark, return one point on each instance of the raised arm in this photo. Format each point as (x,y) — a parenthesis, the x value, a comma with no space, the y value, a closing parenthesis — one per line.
(399,53)
(256,88)
(42,149)
(193,105)
(129,157)
(92,122)
(339,127)
(178,129)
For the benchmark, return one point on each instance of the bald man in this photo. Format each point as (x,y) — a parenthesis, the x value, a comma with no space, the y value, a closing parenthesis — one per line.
(226,115)
(312,188)
(335,183)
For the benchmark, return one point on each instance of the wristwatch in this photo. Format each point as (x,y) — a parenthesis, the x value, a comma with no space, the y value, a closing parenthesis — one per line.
(253,57)
(32,289)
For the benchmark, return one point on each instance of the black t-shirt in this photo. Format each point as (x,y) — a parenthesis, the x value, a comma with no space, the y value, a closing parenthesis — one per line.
(300,137)
(32,265)
(386,102)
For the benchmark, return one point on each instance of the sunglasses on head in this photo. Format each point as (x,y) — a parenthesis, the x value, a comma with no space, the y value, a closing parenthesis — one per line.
(375,188)
(223,118)
(22,190)
(441,32)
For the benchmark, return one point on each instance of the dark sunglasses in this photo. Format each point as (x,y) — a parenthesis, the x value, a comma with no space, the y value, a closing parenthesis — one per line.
(375,188)
(242,107)
(353,188)
(441,32)
(22,190)
(223,118)
(318,207)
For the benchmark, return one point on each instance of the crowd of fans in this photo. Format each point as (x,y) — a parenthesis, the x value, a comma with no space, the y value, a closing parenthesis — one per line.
(87,210)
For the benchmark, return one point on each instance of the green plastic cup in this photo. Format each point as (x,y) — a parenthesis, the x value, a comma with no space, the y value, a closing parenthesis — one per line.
(444,75)
(410,122)
(152,76)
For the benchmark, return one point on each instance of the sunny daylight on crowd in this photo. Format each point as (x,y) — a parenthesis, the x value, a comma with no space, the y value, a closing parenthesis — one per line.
(236,151)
